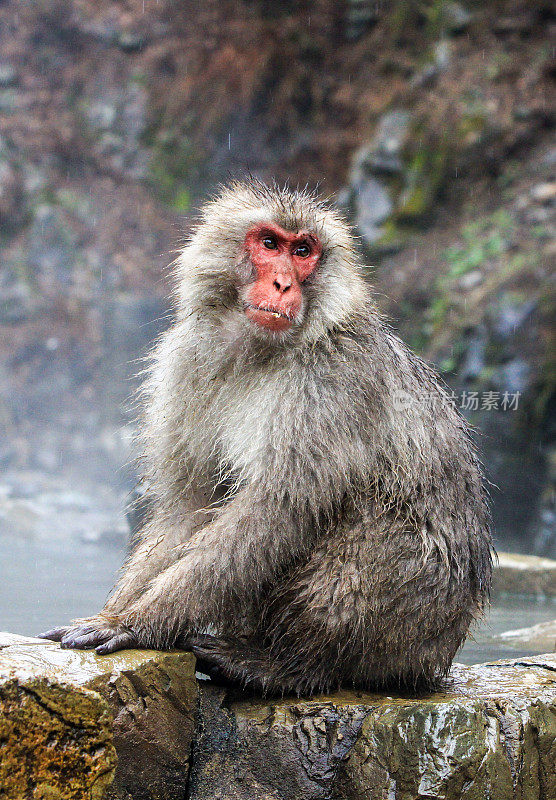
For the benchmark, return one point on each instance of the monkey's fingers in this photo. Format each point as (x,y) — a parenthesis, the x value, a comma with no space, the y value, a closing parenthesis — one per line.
(214,672)
(85,637)
(121,641)
(210,658)
(54,634)
(198,641)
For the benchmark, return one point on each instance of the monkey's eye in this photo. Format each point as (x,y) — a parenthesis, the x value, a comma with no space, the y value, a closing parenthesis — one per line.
(270,243)
(303,250)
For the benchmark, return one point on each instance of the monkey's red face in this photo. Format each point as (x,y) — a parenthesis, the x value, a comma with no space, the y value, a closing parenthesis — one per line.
(282,261)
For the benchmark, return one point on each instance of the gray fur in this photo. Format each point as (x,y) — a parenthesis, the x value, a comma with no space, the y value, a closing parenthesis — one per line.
(324,530)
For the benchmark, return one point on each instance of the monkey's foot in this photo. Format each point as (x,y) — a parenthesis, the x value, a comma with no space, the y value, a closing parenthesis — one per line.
(230,660)
(210,659)
(204,645)
(105,635)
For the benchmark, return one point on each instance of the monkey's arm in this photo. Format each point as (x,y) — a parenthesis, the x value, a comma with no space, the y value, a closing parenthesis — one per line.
(214,574)
(157,547)
(153,553)
(220,569)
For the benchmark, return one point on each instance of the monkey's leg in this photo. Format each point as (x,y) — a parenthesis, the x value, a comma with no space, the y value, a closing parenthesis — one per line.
(377,605)
(309,631)
(300,667)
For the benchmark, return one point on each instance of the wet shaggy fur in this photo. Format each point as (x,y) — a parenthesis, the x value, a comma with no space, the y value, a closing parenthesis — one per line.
(319,517)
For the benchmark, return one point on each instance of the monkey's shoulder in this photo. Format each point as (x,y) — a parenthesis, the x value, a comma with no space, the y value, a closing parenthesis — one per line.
(371,347)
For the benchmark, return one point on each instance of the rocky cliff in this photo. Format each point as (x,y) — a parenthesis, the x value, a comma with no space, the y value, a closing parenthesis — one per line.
(430,123)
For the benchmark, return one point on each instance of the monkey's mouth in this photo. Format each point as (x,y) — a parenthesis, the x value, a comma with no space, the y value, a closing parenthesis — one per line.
(268,317)
(273,311)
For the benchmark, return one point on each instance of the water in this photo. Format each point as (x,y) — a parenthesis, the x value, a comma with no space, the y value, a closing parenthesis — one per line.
(62,539)
(506,613)
(43,584)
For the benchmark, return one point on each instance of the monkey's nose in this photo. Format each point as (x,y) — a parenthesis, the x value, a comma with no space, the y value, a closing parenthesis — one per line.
(282,283)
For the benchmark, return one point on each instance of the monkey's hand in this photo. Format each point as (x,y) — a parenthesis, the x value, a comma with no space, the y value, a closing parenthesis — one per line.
(104,634)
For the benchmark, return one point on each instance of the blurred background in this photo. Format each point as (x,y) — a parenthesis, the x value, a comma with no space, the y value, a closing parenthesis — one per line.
(430,123)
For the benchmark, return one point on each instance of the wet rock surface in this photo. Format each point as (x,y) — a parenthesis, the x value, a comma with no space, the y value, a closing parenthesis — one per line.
(490,734)
(542,636)
(76,725)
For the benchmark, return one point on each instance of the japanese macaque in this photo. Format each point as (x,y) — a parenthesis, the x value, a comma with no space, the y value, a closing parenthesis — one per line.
(318,516)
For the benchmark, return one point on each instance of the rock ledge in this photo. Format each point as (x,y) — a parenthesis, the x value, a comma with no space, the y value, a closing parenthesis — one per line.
(491,734)
(80,726)
(74,725)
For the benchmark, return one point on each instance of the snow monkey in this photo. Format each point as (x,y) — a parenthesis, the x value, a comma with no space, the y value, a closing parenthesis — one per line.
(318,513)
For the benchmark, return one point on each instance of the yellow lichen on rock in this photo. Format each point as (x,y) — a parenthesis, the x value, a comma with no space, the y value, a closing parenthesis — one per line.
(56,744)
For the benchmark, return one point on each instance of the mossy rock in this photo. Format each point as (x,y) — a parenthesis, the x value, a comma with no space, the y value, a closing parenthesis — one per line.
(55,744)
(77,726)
(425,174)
